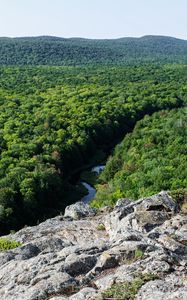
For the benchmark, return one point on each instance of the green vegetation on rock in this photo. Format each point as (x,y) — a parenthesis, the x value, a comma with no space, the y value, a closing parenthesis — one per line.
(6,244)
(101,227)
(127,290)
(138,254)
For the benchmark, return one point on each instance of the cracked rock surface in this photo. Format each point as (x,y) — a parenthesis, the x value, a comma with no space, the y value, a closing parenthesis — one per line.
(74,257)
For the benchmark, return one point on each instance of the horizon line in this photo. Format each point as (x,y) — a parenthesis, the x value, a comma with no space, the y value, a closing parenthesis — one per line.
(88,38)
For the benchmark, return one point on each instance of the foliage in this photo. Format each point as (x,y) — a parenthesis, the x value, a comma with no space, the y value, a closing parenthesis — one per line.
(101,227)
(6,244)
(54,119)
(59,51)
(138,254)
(150,159)
(127,290)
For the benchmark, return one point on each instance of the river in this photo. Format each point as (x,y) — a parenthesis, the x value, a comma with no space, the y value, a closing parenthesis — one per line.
(91,190)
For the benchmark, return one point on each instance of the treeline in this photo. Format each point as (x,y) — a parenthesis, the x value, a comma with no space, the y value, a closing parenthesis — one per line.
(54,119)
(150,159)
(77,51)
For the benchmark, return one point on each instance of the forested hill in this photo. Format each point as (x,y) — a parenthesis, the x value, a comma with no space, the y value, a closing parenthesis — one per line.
(56,120)
(48,50)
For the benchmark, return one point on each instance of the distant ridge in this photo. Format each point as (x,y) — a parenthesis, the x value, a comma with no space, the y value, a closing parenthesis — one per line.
(51,50)
(51,37)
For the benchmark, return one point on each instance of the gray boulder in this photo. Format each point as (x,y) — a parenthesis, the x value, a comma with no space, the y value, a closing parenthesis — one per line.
(79,210)
(142,215)
(163,290)
(79,264)
(123,202)
(85,294)
(160,202)
(21,253)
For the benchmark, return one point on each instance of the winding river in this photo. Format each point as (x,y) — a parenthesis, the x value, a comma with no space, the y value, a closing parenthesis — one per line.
(91,190)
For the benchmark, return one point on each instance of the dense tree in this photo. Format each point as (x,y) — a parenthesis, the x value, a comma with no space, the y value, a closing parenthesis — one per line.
(150,159)
(76,52)
(54,120)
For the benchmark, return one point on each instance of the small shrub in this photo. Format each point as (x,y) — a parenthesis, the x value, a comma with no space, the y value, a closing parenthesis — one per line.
(138,254)
(100,227)
(127,290)
(6,244)
(134,256)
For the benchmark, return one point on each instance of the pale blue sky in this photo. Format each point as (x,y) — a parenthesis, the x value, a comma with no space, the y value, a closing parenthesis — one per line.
(93,18)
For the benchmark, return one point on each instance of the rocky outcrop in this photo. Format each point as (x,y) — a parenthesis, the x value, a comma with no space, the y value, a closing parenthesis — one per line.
(74,257)
(79,210)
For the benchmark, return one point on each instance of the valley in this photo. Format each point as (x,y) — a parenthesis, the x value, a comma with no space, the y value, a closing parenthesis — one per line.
(93,150)
(57,120)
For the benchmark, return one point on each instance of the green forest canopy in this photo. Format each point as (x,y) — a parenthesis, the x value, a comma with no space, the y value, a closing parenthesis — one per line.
(54,119)
(48,50)
(150,159)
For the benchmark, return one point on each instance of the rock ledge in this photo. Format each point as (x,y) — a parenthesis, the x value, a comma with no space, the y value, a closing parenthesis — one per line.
(74,257)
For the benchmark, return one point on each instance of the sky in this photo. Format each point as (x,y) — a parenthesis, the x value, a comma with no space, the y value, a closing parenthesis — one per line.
(93,18)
